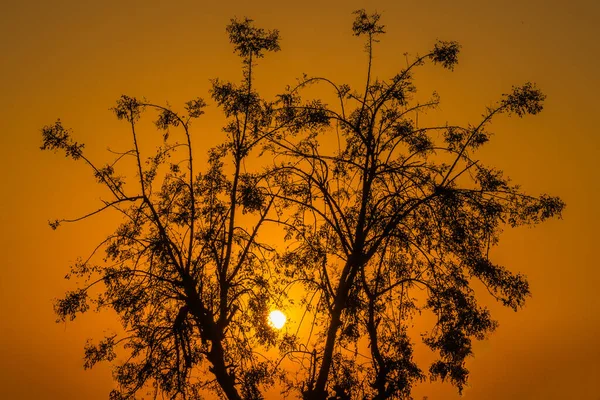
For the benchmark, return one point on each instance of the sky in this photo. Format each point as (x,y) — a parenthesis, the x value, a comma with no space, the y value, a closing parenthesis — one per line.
(72,59)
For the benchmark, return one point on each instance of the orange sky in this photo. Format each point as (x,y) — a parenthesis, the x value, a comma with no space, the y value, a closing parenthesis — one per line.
(73,59)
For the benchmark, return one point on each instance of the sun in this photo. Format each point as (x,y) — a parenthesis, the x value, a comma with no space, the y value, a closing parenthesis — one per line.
(277,319)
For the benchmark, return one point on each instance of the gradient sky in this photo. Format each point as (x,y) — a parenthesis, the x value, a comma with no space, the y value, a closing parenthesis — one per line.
(73,58)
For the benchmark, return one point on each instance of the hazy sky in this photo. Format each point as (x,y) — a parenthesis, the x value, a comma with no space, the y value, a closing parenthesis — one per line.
(72,59)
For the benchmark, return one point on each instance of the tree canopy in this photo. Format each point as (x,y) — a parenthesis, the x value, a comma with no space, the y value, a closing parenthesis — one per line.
(393,220)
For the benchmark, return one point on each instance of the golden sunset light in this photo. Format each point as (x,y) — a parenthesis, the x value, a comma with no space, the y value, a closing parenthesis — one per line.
(312,200)
(277,319)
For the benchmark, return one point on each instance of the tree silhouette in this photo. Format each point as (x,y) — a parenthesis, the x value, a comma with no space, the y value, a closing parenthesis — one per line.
(189,281)
(395,219)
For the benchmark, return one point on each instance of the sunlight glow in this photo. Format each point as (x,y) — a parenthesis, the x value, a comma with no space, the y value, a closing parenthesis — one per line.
(277,319)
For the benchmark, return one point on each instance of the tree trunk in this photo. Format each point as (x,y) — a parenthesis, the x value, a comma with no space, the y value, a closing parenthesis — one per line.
(210,331)
(346,280)
(225,380)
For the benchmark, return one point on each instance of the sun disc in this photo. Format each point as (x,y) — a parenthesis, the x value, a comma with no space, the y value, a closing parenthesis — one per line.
(277,319)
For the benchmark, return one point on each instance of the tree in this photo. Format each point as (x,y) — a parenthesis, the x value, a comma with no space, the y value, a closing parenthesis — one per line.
(396,209)
(187,278)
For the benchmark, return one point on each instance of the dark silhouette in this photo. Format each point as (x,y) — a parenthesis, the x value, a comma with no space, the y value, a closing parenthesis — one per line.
(394,214)
(394,219)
